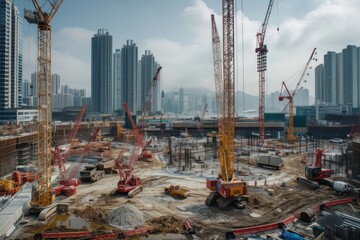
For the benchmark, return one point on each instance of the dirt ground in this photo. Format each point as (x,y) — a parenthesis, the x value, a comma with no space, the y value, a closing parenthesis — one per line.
(285,199)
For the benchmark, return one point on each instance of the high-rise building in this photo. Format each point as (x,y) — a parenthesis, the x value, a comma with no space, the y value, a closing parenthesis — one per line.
(101,72)
(55,83)
(330,77)
(148,70)
(117,84)
(181,100)
(351,76)
(319,82)
(129,74)
(337,81)
(11,58)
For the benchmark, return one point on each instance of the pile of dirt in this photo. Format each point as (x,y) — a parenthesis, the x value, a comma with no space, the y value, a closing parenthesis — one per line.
(257,202)
(167,224)
(126,217)
(92,213)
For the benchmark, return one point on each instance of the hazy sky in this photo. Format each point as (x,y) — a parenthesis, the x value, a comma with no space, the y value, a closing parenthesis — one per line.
(178,33)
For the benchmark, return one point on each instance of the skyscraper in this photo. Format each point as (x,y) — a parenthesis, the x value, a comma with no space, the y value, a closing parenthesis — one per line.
(330,77)
(55,83)
(11,58)
(351,76)
(337,81)
(101,72)
(117,84)
(129,74)
(148,70)
(319,82)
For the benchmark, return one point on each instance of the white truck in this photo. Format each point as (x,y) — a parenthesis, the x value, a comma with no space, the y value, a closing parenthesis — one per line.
(270,161)
(343,187)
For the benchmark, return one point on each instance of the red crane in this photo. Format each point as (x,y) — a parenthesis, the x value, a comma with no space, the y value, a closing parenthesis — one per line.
(261,51)
(68,183)
(315,174)
(138,137)
(147,105)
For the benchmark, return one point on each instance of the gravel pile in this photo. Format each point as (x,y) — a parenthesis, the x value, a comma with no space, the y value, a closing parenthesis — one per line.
(126,217)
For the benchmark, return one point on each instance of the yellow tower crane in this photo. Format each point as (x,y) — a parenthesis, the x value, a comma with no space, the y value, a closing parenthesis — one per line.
(43,196)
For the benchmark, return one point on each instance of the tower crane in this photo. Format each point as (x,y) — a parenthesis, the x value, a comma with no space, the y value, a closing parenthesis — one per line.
(43,196)
(290,96)
(226,188)
(261,51)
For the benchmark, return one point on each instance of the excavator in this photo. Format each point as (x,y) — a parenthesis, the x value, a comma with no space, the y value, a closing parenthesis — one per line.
(10,187)
(226,189)
(315,174)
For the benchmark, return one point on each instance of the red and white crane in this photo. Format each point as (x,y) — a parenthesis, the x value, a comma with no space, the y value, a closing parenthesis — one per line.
(68,183)
(261,51)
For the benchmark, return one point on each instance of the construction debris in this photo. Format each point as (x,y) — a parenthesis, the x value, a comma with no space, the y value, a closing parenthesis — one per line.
(167,224)
(94,214)
(126,217)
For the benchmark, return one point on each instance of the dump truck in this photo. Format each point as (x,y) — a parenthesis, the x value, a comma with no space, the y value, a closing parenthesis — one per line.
(177,191)
(270,161)
(91,174)
(108,166)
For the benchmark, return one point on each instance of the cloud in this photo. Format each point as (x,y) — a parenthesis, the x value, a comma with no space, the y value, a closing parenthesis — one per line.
(330,25)
(187,65)
(70,57)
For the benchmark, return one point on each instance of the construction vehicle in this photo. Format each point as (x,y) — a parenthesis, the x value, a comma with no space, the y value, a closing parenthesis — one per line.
(226,189)
(269,161)
(315,174)
(290,96)
(261,51)
(177,191)
(43,195)
(68,183)
(129,183)
(91,174)
(144,153)
(9,187)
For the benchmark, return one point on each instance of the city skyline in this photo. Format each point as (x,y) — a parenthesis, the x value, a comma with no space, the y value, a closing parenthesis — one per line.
(186,35)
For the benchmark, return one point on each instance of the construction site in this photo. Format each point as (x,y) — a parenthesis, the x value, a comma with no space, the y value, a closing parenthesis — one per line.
(202,178)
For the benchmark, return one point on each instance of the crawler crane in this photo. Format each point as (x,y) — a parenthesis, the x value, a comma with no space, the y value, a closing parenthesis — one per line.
(226,188)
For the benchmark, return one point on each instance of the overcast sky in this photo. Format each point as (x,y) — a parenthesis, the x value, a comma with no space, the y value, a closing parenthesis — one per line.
(178,33)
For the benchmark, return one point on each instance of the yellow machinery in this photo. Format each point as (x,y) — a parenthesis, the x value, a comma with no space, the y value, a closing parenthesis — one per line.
(290,96)
(44,196)
(177,191)
(226,189)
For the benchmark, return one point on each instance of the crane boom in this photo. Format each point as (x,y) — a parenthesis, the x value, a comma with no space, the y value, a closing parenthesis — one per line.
(219,83)
(261,51)
(290,96)
(44,196)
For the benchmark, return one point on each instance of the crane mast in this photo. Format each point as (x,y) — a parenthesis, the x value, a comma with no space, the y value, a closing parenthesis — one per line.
(226,188)
(43,196)
(261,51)
(226,149)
